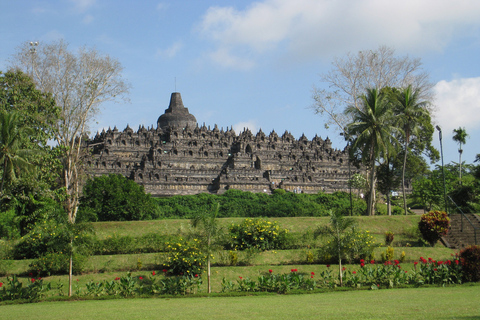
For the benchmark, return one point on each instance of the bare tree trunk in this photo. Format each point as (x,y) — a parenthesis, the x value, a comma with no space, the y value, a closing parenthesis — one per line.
(403,178)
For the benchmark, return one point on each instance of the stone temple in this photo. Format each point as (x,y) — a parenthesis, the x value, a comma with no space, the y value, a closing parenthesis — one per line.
(181,158)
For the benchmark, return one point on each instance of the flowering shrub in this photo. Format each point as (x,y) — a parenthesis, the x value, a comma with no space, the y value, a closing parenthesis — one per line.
(256,233)
(470,258)
(429,271)
(185,257)
(433,225)
(14,289)
(361,246)
(271,282)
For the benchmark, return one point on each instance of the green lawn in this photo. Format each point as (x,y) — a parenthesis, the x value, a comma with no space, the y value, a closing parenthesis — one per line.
(459,302)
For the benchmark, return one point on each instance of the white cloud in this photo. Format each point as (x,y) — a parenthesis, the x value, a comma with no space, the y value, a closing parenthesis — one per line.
(83,5)
(171,51)
(250,124)
(310,29)
(88,19)
(458,103)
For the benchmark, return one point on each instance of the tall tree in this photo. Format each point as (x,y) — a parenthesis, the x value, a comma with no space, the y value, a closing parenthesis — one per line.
(460,136)
(13,159)
(79,82)
(353,74)
(410,109)
(373,130)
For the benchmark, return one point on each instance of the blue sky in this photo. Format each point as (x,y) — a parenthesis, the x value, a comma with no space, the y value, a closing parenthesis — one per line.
(254,63)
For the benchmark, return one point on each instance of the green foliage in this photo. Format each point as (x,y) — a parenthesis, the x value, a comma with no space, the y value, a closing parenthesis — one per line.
(185,257)
(389,236)
(236,203)
(9,226)
(54,263)
(256,233)
(470,259)
(387,255)
(115,198)
(14,289)
(433,225)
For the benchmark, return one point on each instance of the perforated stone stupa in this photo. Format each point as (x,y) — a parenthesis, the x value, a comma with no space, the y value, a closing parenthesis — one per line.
(179,158)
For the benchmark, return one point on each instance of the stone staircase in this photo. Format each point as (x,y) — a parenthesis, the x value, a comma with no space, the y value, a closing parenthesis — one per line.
(458,237)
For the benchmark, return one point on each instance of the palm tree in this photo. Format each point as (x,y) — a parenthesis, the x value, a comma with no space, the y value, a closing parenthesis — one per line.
(13,158)
(208,223)
(340,231)
(460,136)
(410,109)
(374,132)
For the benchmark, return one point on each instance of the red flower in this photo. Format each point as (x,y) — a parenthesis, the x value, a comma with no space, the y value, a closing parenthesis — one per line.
(362,261)
(165,270)
(140,278)
(240,278)
(397,262)
(354,272)
(153,273)
(270,270)
(78,280)
(344,268)
(196,275)
(33,280)
(294,270)
(312,273)
(415,263)
(117,278)
(405,271)
(328,266)
(440,262)
(457,262)
(372,261)
(362,264)
(435,269)
(30,274)
(1,284)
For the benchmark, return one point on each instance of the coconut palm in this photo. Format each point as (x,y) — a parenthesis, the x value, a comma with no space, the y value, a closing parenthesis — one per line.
(460,136)
(209,229)
(339,232)
(374,132)
(13,158)
(410,109)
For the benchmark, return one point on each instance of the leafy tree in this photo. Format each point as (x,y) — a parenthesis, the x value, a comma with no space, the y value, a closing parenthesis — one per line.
(374,131)
(207,221)
(353,74)
(410,110)
(339,231)
(13,159)
(460,136)
(115,198)
(79,82)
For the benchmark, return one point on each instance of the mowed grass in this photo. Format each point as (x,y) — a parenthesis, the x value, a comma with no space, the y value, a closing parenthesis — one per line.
(459,302)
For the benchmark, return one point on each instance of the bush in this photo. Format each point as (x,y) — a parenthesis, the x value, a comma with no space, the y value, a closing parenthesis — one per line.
(433,225)
(257,233)
(361,246)
(470,259)
(57,263)
(9,228)
(115,198)
(185,258)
